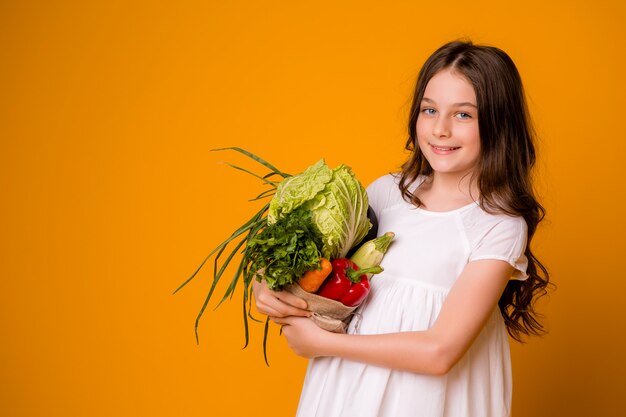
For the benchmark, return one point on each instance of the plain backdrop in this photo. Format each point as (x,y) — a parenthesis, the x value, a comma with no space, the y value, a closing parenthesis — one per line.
(111,196)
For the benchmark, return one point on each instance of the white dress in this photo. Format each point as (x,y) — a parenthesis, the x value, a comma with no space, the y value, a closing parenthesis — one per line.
(427,255)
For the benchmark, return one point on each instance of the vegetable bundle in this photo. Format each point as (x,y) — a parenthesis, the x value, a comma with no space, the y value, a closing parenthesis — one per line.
(319,214)
(334,292)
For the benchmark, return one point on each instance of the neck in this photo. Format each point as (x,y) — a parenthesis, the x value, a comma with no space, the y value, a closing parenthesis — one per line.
(454,184)
(447,191)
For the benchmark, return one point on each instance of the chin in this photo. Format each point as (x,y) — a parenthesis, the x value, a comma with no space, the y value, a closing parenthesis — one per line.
(451,170)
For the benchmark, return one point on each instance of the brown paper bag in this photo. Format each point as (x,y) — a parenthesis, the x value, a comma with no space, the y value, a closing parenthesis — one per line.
(328,314)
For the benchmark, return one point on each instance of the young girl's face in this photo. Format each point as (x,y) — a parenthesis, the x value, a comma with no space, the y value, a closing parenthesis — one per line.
(447,126)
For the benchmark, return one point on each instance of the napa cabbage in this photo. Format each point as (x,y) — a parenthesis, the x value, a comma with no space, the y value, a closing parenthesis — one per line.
(336,200)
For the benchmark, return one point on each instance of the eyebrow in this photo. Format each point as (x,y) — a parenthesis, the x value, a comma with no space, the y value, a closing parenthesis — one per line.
(465,103)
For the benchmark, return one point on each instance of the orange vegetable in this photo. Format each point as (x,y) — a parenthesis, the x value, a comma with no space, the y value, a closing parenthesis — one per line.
(313,279)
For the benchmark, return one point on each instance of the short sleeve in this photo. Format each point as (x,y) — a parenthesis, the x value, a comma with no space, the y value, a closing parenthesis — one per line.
(505,240)
(382,193)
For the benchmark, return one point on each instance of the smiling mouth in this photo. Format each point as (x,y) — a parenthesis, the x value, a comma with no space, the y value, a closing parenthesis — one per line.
(445,148)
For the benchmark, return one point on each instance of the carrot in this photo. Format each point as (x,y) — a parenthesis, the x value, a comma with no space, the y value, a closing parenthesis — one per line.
(313,279)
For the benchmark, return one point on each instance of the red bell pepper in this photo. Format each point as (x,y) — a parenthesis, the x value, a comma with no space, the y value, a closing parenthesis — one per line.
(347,283)
(357,292)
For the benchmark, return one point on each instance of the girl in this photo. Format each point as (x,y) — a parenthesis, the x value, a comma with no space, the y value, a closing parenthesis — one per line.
(431,339)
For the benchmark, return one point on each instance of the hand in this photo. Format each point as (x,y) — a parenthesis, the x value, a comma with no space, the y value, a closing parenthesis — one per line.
(277,303)
(304,337)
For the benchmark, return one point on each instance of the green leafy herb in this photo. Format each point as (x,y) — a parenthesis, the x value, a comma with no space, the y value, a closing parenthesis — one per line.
(285,250)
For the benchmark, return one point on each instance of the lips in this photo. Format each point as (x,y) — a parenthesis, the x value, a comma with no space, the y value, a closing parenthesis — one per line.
(444,150)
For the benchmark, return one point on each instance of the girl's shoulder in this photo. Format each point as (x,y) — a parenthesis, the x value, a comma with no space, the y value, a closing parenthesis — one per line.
(478,218)
(384,182)
(496,236)
(384,192)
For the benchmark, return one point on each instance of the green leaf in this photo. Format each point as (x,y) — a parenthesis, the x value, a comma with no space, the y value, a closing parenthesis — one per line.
(265,331)
(272,183)
(256,158)
(249,224)
(245,260)
(245,318)
(264,194)
(286,249)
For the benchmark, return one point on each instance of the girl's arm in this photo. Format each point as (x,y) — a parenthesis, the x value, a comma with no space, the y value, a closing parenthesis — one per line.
(469,304)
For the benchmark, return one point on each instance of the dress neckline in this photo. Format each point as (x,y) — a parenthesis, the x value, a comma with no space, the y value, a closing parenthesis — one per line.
(447,212)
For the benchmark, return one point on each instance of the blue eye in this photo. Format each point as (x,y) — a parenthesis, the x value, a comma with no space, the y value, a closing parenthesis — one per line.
(463,115)
(428,111)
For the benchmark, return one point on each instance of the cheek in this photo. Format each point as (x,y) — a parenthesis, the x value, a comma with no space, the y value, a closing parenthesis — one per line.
(421,129)
(470,135)
(476,142)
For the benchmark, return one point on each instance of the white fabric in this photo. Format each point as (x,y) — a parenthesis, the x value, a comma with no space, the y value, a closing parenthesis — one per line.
(428,253)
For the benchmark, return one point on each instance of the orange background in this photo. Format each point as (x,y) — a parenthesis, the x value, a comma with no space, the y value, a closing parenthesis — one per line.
(111,197)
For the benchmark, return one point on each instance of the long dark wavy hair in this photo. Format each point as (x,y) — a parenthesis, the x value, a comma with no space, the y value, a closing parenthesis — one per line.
(504,170)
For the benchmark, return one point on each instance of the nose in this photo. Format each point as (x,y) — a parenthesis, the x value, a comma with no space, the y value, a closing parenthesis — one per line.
(441,128)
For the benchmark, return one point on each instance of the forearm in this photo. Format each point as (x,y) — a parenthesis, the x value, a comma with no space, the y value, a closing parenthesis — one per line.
(420,352)
(469,304)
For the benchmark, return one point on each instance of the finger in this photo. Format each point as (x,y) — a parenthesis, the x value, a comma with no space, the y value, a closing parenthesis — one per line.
(291,299)
(270,303)
(261,290)
(287,310)
(266,303)
(268,310)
